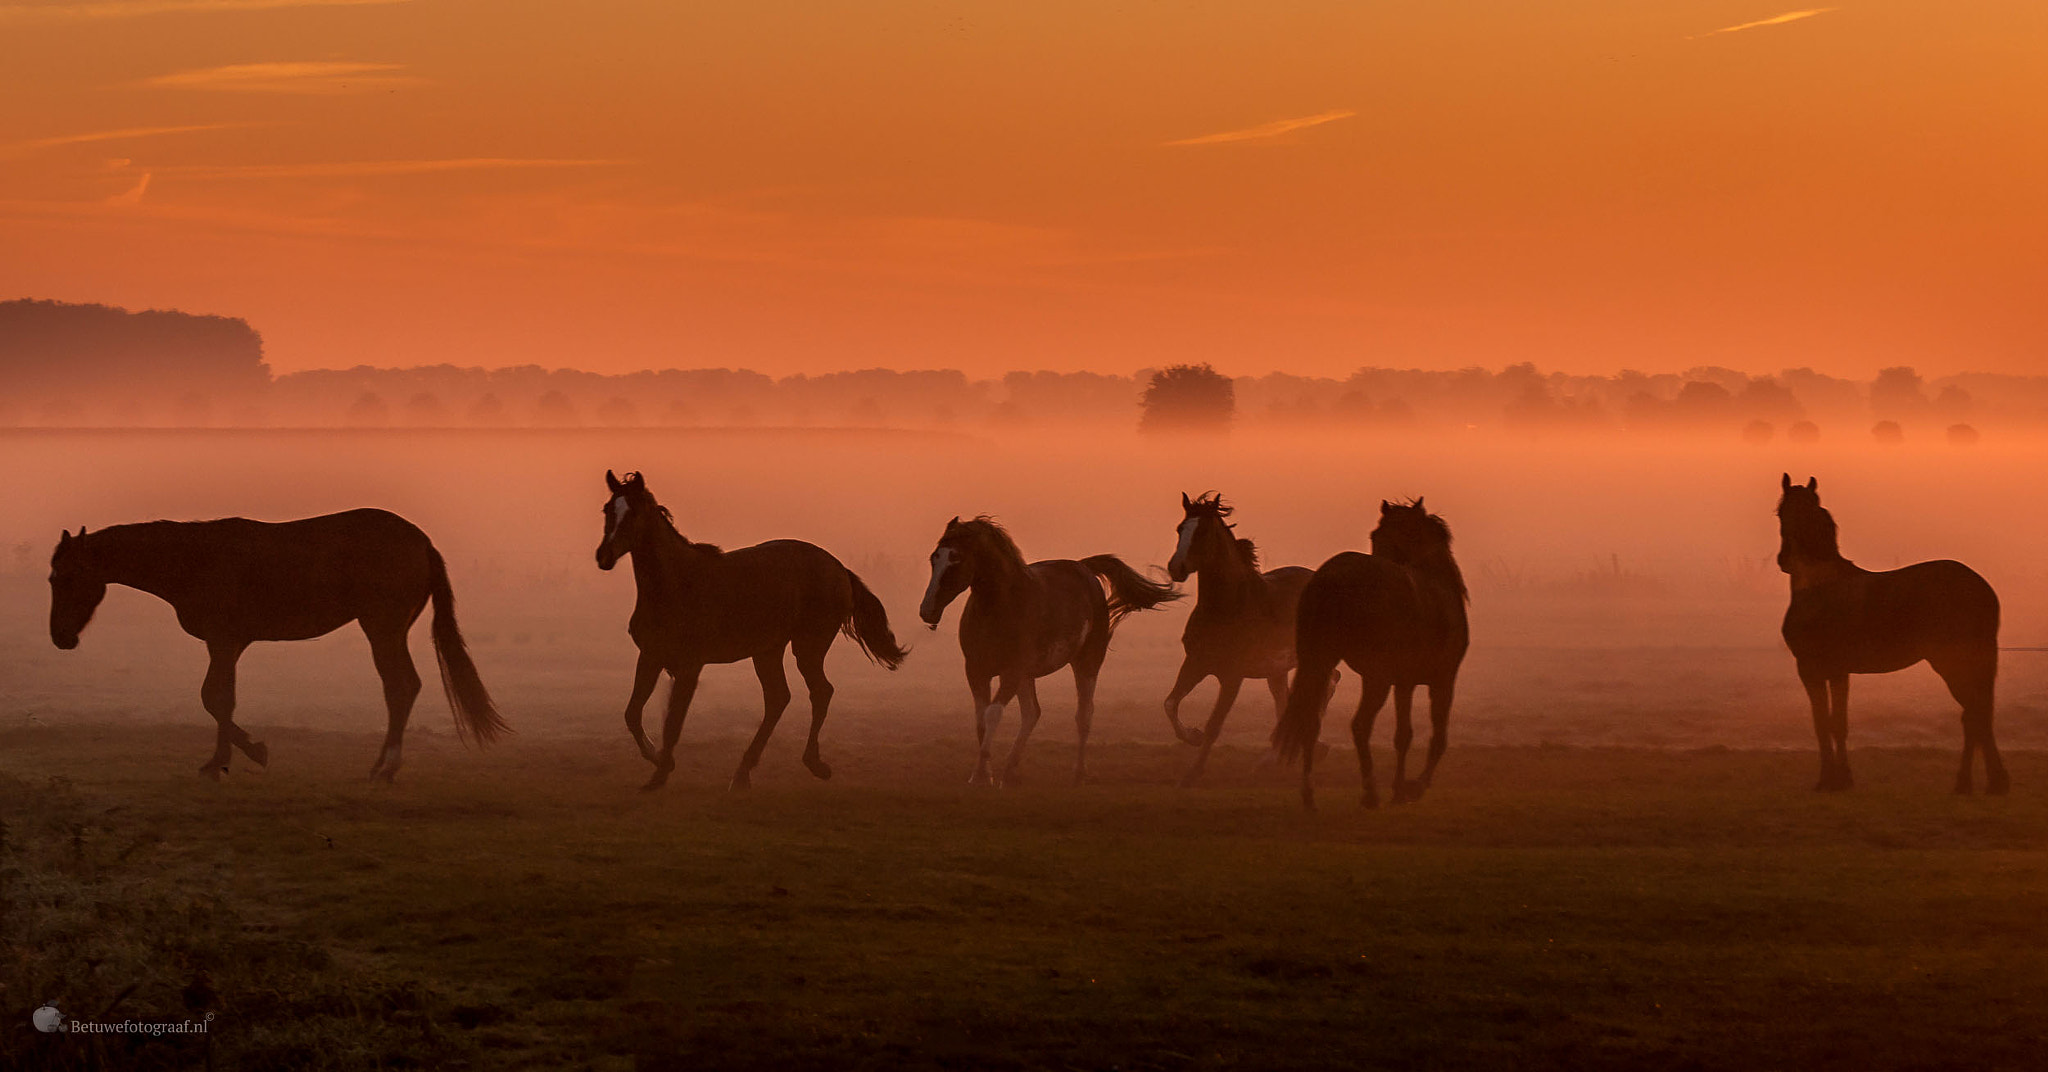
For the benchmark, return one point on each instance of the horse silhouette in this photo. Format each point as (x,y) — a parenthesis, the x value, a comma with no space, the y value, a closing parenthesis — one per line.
(234,582)
(1024,621)
(1242,625)
(699,605)
(1844,620)
(1396,617)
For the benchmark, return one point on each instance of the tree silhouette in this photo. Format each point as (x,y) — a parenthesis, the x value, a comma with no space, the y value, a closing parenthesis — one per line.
(1188,398)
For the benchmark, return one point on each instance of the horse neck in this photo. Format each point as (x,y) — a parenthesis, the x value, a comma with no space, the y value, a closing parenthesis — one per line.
(664,559)
(1225,579)
(1439,568)
(154,557)
(998,578)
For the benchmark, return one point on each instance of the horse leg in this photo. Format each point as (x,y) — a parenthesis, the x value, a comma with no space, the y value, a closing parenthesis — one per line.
(672,724)
(401,688)
(1183,683)
(1372,696)
(1817,695)
(1226,694)
(775,700)
(645,674)
(1084,715)
(1404,735)
(217,695)
(1975,688)
(1277,685)
(810,663)
(1838,726)
(988,714)
(1027,720)
(1439,734)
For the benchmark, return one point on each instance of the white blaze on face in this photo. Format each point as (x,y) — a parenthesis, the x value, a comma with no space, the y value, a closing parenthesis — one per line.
(1187,541)
(942,564)
(618,511)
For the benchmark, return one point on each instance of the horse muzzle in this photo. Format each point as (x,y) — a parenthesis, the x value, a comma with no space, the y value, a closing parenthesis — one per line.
(1178,571)
(64,641)
(606,557)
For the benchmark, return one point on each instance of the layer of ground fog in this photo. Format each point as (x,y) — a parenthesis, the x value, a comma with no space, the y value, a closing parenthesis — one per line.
(527,907)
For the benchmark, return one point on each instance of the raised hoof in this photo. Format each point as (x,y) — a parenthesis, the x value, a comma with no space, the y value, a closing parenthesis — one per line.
(648,753)
(818,767)
(258,751)
(1190,735)
(740,781)
(659,779)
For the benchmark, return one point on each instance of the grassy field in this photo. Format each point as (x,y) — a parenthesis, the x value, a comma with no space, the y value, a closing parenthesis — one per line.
(1545,907)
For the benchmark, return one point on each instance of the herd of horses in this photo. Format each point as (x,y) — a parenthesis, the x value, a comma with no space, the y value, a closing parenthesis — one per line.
(1396,616)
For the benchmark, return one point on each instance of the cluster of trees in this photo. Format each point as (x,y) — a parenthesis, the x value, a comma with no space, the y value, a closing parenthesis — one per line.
(96,365)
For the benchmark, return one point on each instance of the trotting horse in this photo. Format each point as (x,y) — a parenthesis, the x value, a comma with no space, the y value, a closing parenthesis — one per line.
(1024,621)
(234,582)
(1242,625)
(1848,620)
(1397,617)
(699,605)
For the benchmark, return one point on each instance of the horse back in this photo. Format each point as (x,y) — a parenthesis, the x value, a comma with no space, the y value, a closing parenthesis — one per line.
(1367,610)
(293,580)
(731,605)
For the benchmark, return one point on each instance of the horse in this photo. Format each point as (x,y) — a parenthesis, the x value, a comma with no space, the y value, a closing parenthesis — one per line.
(699,605)
(1844,620)
(234,582)
(1024,621)
(1242,625)
(1397,617)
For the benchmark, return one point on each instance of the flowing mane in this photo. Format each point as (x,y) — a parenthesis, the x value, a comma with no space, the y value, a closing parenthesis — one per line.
(985,530)
(1414,537)
(636,491)
(1211,504)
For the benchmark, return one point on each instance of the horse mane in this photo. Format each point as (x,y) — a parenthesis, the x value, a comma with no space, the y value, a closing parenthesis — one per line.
(636,487)
(1248,551)
(1810,525)
(1211,504)
(1434,556)
(985,529)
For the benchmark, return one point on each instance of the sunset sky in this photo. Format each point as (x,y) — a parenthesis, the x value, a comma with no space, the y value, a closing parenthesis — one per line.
(808,185)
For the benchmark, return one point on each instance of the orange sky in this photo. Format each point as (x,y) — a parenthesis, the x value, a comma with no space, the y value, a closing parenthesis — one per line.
(805,185)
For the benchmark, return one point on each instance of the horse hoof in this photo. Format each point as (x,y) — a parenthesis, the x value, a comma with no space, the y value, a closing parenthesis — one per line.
(818,767)
(215,771)
(259,752)
(739,784)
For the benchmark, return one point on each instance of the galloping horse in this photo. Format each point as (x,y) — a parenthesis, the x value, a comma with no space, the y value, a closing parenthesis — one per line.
(699,605)
(1023,622)
(1397,616)
(1848,620)
(1242,625)
(234,582)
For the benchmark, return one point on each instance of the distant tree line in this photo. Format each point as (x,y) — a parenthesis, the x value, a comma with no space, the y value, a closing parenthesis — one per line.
(66,364)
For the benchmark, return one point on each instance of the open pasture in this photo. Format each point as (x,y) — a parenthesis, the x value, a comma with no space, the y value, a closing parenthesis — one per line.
(1545,907)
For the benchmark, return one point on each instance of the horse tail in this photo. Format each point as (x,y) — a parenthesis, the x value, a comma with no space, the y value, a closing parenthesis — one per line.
(1301,722)
(475,716)
(868,625)
(1128,591)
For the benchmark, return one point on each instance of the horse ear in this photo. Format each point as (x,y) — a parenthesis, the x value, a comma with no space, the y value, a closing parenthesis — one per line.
(1813,484)
(1185,502)
(1418,504)
(63,538)
(612,481)
(1386,508)
(1785,482)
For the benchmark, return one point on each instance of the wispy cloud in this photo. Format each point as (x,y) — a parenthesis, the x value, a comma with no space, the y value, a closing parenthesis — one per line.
(307,78)
(1774,20)
(1266,130)
(65,10)
(125,133)
(350,169)
(133,195)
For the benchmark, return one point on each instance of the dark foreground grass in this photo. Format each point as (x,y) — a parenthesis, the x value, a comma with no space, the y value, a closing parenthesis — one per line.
(528,908)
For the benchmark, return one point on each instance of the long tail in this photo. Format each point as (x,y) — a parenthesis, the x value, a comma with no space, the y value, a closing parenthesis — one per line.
(1128,591)
(1301,723)
(475,716)
(868,625)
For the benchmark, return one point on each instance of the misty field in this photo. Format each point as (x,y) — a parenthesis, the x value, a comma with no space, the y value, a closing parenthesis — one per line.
(1561,907)
(1621,864)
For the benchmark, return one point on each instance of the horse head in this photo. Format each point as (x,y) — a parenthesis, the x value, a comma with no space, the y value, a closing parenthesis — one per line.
(76,589)
(1200,514)
(952,570)
(626,515)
